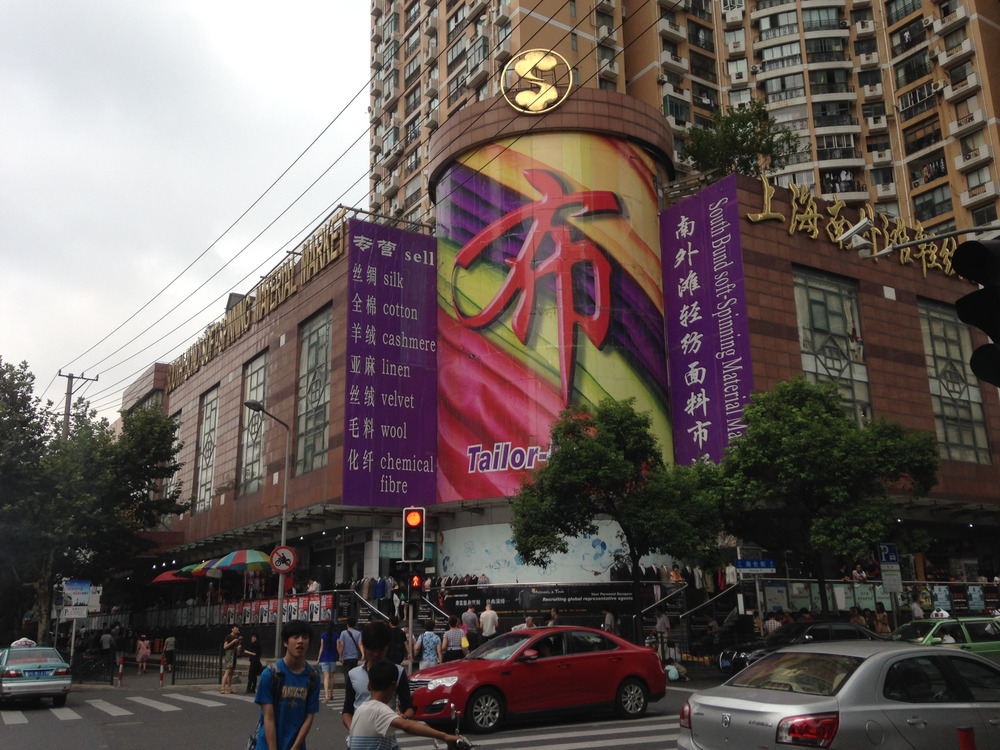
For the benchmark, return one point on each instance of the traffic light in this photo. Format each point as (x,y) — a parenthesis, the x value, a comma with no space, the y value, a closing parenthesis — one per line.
(980,262)
(415,586)
(413,534)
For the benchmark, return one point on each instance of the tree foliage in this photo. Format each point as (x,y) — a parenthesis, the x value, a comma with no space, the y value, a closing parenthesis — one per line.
(806,477)
(75,507)
(745,140)
(609,465)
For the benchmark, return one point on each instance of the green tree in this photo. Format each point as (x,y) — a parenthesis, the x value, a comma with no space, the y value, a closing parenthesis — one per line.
(76,507)
(805,477)
(745,140)
(609,465)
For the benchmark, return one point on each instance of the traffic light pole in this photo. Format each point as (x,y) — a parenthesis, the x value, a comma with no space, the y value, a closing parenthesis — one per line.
(409,610)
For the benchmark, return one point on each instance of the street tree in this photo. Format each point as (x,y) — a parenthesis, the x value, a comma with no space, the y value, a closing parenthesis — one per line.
(745,140)
(76,507)
(609,465)
(806,477)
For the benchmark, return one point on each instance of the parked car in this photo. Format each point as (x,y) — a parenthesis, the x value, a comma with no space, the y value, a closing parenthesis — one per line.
(807,631)
(980,635)
(34,672)
(849,695)
(540,671)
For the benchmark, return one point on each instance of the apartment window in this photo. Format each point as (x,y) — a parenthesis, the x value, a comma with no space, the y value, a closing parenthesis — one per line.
(456,22)
(412,131)
(908,36)
(251,470)
(955,39)
(412,42)
(978,179)
(836,146)
(779,24)
(412,101)
(782,56)
(703,67)
(830,337)
(882,176)
(412,14)
(456,55)
(735,35)
(955,393)
(984,215)
(927,169)
(805,179)
(207,440)
(739,96)
(572,8)
(604,19)
(873,109)
(412,192)
(944,226)
(572,42)
(912,68)
(916,101)
(961,73)
(818,19)
(699,36)
(923,135)
(412,163)
(897,10)
(785,87)
(607,85)
(932,203)
(701,9)
(865,47)
(679,109)
(828,82)
(313,423)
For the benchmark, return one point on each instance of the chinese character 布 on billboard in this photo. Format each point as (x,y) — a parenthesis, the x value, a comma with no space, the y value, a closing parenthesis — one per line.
(550,293)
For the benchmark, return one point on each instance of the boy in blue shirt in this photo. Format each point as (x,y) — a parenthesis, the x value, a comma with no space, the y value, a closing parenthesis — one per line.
(287,717)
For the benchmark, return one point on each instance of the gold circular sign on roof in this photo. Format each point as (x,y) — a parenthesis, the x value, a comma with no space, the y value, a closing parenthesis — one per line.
(536,81)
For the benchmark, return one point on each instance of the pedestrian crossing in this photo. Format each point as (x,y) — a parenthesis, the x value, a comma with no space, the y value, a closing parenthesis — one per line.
(125,705)
(652,732)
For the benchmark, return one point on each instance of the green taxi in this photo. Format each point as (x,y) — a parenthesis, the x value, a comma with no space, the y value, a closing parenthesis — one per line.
(980,635)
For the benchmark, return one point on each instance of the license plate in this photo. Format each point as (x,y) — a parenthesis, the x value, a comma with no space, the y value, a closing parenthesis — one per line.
(37,673)
(725,663)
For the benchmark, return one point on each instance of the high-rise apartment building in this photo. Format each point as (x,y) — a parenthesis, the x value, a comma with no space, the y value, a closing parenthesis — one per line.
(894,102)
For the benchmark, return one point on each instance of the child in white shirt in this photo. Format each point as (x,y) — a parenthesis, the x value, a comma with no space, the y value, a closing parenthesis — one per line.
(374,724)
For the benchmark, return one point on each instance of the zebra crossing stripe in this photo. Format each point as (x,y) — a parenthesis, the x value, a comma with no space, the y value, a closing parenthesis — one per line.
(109,708)
(65,714)
(154,704)
(13,717)
(193,699)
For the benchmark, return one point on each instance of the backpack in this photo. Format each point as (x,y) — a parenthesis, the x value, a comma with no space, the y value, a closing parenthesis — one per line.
(277,683)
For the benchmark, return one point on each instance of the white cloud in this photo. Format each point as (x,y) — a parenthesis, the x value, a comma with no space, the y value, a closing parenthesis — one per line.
(134,134)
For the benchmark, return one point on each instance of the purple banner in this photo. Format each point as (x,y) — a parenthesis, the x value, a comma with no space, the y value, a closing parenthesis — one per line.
(705,311)
(390,399)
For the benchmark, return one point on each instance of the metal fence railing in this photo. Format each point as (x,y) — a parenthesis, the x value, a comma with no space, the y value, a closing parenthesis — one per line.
(93,667)
(196,665)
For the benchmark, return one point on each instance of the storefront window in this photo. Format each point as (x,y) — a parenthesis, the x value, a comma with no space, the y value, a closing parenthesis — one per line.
(313,433)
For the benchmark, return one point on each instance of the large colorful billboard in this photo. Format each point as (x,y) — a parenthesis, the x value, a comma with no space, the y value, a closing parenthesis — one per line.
(550,293)
(390,412)
(708,334)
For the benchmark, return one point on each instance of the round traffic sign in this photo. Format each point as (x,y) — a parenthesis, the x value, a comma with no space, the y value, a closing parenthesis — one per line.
(283,559)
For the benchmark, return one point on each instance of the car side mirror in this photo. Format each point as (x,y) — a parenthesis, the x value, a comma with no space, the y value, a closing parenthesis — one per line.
(807,638)
(936,641)
(529,655)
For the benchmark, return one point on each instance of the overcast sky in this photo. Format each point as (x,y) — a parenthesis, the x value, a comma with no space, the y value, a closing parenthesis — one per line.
(134,134)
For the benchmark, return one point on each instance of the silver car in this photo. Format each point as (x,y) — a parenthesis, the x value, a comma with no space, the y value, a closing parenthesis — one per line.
(849,695)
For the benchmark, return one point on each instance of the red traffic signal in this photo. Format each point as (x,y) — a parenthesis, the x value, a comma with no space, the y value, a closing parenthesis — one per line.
(413,534)
(415,586)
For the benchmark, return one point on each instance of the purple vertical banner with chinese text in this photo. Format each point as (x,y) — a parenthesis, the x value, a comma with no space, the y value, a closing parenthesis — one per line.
(705,311)
(390,399)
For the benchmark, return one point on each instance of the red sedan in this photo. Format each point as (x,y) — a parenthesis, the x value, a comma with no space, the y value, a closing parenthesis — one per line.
(541,671)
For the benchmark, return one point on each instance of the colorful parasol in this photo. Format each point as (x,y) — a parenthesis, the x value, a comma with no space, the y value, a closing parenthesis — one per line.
(171,576)
(243,560)
(198,570)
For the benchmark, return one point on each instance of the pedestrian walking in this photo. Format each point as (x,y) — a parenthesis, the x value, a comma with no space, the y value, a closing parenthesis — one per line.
(169,646)
(349,647)
(288,694)
(328,652)
(142,650)
(252,650)
(230,647)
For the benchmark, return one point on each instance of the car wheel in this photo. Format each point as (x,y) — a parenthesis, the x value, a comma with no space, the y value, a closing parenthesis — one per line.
(632,699)
(58,701)
(484,710)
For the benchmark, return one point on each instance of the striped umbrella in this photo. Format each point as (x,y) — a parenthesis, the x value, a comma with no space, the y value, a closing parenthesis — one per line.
(243,560)
(198,570)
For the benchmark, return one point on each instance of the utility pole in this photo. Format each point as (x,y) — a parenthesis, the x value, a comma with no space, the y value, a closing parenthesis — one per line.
(69,397)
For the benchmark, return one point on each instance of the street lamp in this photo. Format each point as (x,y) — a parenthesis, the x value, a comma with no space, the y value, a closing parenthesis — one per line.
(257,406)
(864,245)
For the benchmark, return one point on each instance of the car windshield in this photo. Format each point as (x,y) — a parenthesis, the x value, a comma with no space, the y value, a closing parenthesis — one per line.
(914,631)
(812,674)
(33,656)
(501,647)
(786,635)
